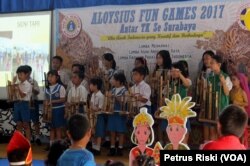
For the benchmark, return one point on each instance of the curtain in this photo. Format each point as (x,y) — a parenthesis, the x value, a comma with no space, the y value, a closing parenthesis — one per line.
(11,6)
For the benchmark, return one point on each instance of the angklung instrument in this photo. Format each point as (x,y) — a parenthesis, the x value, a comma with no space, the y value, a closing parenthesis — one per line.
(208,100)
(47,105)
(108,105)
(132,103)
(73,107)
(159,83)
(12,90)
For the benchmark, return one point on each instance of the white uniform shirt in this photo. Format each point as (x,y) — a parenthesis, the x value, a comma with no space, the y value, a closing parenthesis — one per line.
(229,83)
(79,92)
(83,83)
(144,90)
(97,100)
(26,88)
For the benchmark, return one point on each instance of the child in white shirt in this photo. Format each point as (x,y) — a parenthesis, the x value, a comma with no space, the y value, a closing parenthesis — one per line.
(78,93)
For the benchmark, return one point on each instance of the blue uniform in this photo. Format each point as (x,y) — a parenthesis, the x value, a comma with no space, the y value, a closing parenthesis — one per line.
(100,128)
(58,119)
(21,111)
(76,157)
(117,122)
(97,101)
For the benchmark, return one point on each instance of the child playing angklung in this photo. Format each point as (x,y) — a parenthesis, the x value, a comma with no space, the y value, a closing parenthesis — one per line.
(55,97)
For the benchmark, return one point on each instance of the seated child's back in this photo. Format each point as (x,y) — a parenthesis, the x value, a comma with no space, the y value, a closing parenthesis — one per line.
(232,123)
(79,132)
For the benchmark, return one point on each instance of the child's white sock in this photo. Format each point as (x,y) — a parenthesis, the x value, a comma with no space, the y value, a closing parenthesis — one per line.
(96,147)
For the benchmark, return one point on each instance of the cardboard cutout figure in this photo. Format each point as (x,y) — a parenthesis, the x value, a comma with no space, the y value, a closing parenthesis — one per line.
(156,153)
(177,111)
(142,136)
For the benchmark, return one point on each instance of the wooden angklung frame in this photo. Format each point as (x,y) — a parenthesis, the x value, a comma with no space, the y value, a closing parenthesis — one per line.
(47,106)
(123,102)
(160,88)
(73,107)
(108,105)
(92,111)
(208,100)
(12,93)
(131,104)
(90,114)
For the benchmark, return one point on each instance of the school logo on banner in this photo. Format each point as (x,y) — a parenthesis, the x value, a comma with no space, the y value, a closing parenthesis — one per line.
(71,26)
(244,20)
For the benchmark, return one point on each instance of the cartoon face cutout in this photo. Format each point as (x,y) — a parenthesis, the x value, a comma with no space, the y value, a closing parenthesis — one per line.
(176,133)
(142,136)
(177,111)
(142,133)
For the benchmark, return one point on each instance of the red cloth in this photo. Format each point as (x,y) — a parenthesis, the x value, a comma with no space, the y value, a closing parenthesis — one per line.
(245,135)
(225,143)
(136,152)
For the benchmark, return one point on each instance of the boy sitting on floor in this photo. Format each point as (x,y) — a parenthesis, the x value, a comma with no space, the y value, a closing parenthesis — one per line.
(231,125)
(79,132)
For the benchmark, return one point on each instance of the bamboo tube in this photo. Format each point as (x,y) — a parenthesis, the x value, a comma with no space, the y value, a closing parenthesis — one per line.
(127,95)
(91,117)
(109,104)
(204,101)
(89,114)
(8,88)
(122,104)
(210,99)
(160,91)
(105,103)
(50,109)
(174,89)
(205,92)
(203,87)
(197,90)
(152,83)
(113,103)
(167,94)
(216,106)
(66,111)
(130,102)
(219,101)
(137,101)
(165,75)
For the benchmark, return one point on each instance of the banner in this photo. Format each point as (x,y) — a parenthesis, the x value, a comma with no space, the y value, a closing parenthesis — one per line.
(185,29)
